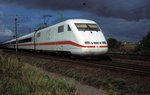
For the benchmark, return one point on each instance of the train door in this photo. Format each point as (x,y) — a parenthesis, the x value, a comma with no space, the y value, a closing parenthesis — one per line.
(36,40)
(48,38)
(60,38)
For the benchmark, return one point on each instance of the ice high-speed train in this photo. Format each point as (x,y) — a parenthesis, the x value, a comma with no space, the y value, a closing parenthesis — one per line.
(74,36)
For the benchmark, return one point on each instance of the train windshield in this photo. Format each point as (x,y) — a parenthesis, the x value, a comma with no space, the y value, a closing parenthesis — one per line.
(87,27)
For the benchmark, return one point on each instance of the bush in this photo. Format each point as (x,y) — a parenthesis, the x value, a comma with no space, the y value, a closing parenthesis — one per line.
(113,43)
(17,78)
(144,46)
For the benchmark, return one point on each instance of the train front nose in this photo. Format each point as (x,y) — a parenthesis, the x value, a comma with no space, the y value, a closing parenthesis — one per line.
(98,50)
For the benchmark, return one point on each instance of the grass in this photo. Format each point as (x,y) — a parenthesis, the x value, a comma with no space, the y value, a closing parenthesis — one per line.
(17,78)
(113,86)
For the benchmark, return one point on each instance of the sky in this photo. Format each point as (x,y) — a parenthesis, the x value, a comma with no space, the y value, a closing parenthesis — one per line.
(124,20)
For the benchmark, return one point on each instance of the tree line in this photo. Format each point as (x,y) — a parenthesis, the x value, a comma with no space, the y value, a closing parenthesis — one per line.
(142,48)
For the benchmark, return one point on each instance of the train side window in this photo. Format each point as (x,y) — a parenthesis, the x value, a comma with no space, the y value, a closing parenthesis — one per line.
(60,29)
(38,35)
(104,42)
(25,40)
(14,42)
(69,29)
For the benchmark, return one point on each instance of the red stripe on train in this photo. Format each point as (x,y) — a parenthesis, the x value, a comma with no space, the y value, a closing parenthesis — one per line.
(62,43)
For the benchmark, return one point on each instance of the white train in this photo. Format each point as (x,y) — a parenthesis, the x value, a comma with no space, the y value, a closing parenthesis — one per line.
(75,36)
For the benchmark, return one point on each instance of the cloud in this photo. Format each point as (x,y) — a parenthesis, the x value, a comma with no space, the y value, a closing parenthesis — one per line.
(1,13)
(126,9)
(125,30)
(121,29)
(126,20)
(6,33)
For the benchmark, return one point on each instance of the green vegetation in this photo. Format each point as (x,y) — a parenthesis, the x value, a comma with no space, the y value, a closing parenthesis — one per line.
(113,43)
(144,46)
(17,78)
(113,86)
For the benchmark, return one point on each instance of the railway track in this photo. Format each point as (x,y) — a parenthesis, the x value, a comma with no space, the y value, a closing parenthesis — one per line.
(138,69)
(111,65)
(129,56)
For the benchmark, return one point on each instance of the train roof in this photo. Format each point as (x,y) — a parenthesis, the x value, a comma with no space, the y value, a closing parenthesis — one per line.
(57,24)
(19,38)
(79,21)
(68,21)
